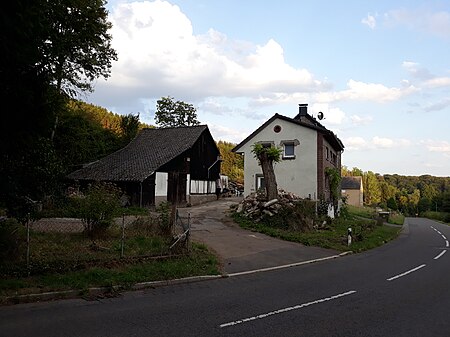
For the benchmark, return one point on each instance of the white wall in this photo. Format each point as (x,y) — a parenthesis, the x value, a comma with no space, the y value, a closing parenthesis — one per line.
(297,175)
(161,184)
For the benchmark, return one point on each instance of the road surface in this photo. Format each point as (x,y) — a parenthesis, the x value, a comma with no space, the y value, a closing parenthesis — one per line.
(400,289)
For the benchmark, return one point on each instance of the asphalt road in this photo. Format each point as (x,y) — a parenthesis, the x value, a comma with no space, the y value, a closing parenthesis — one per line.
(400,289)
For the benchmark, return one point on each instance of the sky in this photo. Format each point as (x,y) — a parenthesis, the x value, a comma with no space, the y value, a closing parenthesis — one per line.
(378,70)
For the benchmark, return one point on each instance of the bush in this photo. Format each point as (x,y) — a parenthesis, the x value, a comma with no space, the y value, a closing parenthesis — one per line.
(97,207)
(11,237)
(163,211)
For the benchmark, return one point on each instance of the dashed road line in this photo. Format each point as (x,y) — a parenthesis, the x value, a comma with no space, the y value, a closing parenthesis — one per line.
(406,273)
(281,311)
(440,254)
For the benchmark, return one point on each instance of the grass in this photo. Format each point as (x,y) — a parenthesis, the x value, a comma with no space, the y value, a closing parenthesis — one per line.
(366,234)
(439,216)
(200,261)
(396,218)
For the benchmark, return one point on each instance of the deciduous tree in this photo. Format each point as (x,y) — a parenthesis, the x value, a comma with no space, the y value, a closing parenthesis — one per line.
(266,157)
(170,113)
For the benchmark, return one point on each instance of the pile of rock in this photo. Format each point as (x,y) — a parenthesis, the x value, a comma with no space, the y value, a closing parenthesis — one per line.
(255,208)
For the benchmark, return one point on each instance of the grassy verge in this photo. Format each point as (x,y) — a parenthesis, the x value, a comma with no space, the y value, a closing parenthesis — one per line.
(199,262)
(439,216)
(366,234)
(396,219)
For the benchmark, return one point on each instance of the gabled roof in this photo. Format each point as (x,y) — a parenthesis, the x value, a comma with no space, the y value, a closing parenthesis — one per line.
(329,135)
(351,183)
(151,149)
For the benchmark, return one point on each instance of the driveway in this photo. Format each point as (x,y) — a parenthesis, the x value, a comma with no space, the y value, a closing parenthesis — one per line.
(242,250)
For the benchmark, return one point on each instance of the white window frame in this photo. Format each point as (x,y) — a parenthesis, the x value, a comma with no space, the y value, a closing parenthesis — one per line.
(288,156)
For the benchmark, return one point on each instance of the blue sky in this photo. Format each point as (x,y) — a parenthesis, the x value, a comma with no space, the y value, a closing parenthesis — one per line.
(378,70)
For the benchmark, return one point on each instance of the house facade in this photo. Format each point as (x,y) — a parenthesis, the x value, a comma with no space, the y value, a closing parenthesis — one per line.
(352,190)
(308,149)
(168,164)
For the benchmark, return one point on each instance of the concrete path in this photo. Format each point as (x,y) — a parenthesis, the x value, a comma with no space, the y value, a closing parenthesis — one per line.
(242,250)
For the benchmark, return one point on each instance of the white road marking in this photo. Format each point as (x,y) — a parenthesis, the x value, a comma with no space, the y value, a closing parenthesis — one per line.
(446,243)
(405,273)
(443,236)
(280,311)
(441,253)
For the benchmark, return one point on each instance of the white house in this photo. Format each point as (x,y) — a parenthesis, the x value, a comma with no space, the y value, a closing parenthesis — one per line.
(308,148)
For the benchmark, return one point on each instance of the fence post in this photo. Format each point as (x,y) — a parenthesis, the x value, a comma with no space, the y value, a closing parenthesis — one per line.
(188,238)
(28,244)
(122,244)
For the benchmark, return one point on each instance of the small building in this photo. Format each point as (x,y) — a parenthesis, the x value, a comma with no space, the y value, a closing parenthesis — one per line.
(167,164)
(308,149)
(352,190)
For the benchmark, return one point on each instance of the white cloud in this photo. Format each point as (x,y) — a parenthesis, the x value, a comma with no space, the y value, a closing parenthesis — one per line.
(369,21)
(421,19)
(232,135)
(437,146)
(366,92)
(416,70)
(361,120)
(438,82)
(359,143)
(159,55)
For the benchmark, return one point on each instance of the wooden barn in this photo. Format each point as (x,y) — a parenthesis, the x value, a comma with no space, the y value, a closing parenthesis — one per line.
(165,164)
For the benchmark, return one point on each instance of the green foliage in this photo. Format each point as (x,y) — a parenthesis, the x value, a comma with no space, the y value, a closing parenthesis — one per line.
(392,204)
(273,153)
(129,126)
(97,207)
(334,180)
(232,163)
(170,113)
(11,239)
(164,214)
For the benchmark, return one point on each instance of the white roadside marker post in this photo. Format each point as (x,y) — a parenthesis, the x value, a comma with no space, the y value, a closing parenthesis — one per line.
(349,236)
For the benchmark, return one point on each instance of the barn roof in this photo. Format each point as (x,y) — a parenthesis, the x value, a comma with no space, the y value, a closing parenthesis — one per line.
(151,149)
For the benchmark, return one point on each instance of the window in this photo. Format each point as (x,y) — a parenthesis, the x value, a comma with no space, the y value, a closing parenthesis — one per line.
(288,150)
(260,184)
(328,152)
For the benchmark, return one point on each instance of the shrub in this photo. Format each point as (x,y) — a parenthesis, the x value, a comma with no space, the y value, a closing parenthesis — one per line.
(11,237)
(97,207)
(163,211)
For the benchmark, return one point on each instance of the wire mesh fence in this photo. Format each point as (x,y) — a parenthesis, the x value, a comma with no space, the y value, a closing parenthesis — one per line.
(66,244)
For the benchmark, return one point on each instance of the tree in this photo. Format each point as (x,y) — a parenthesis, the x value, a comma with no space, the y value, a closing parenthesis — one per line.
(372,193)
(232,163)
(174,114)
(77,47)
(266,157)
(129,125)
(50,49)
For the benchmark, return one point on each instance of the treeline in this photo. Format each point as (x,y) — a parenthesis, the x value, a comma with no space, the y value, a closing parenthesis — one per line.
(409,194)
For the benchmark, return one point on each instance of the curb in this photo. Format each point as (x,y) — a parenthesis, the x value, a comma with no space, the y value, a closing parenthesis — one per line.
(290,265)
(105,291)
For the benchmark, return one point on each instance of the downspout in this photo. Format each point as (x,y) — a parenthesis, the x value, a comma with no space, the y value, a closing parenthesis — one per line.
(217,160)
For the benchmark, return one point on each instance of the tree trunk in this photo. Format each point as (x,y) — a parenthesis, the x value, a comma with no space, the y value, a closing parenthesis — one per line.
(269,176)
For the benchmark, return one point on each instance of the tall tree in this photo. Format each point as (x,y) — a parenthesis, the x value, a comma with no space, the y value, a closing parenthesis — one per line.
(50,49)
(170,113)
(372,193)
(266,157)
(129,125)
(232,163)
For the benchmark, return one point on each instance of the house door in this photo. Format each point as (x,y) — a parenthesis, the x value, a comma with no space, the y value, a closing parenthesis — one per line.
(176,187)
